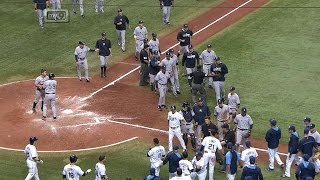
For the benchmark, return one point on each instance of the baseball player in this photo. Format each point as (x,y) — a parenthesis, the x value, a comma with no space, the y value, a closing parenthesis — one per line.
(307,144)
(292,150)
(252,171)
(231,161)
(140,33)
(243,125)
(32,159)
(103,47)
(184,39)
(56,5)
(121,21)
(175,62)
(156,154)
(39,89)
(201,111)
(186,166)
(50,88)
(305,169)
(190,60)
(218,71)
(273,137)
(154,67)
(210,145)
(233,101)
(162,80)
(307,122)
(174,120)
(98,5)
(314,133)
(75,3)
(199,167)
(166,5)
(169,71)
(247,153)
(207,58)
(154,44)
(72,171)
(100,169)
(40,7)
(173,158)
(81,61)
(187,127)
(222,116)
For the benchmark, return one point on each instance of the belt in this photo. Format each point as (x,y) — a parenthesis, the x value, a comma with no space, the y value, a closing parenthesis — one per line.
(163,84)
(82,59)
(243,129)
(209,152)
(175,127)
(222,121)
(188,123)
(207,64)
(50,93)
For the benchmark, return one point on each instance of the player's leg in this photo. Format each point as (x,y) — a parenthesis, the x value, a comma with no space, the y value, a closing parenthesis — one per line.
(102,64)
(271,153)
(138,49)
(43,94)
(164,14)
(162,90)
(40,17)
(221,87)
(36,175)
(30,170)
(123,40)
(192,136)
(189,71)
(174,90)
(238,140)
(278,159)
(96,5)
(36,100)
(202,176)
(59,4)
(168,15)
(176,80)
(151,81)
(199,131)
(44,112)
(81,7)
(178,133)
(220,132)
(78,68)
(212,160)
(289,161)
(171,134)
(194,93)
(53,105)
(202,92)
(119,36)
(101,4)
(216,89)
(74,4)
(86,69)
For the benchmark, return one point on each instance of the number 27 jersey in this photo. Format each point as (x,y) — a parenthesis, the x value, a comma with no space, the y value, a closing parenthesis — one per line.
(211,144)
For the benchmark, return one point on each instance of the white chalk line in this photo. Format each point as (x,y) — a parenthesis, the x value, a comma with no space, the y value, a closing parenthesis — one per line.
(6,84)
(163,131)
(212,23)
(132,64)
(76,150)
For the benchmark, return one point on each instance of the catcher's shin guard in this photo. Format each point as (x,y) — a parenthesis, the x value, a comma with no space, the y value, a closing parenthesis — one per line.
(185,138)
(193,141)
(34,105)
(41,105)
(190,82)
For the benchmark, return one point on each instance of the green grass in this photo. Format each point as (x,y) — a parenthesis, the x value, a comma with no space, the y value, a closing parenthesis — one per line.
(25,50)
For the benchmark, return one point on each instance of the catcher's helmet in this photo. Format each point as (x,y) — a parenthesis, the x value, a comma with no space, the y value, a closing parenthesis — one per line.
(51,75)
(32,139)
(73,158)
(154,34)
(185,104)
(145,40)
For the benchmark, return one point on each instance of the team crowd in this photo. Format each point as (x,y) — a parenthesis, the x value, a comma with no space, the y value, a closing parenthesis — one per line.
(220,140)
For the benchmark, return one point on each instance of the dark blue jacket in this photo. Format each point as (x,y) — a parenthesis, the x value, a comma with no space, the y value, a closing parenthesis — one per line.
(304,170)
(253,171)
(185,35)
(167,2)
(200,113)
(233,162)
(41,4)
(173,159)
(273,136)
(103,46)
(293,143)
(154,67)
(306,145)
(221,69)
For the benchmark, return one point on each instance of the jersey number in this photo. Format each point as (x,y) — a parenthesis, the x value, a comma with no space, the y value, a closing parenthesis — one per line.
(71,175)
(211,146)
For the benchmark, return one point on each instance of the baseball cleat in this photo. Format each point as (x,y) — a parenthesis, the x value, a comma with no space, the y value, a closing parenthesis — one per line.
(80,79)
(123,49)
(96,10)
(168,23)
(34,110)
(282,166)
(268,169)
(44,118)
(82,16)
(74,12)
(159,108)
(54,118)
(284,176)
(87,80)
(178,92)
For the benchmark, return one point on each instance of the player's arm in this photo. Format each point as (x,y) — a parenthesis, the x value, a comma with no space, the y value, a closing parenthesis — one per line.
(127,21)
(224,69)
(184,57)
(35,4)
(191,33)
(47,3)
(197,58)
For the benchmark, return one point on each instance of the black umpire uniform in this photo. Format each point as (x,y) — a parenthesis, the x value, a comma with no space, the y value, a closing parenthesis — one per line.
(197,84)
(144,60)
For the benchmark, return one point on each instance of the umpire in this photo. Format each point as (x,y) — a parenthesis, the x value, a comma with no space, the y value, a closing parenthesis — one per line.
(144,60)
(219,70)
(197,84)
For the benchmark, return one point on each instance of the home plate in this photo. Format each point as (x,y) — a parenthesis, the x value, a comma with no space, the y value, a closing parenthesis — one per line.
(67,111)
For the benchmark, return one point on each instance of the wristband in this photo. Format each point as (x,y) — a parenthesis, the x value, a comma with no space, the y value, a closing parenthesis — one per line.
(35,8)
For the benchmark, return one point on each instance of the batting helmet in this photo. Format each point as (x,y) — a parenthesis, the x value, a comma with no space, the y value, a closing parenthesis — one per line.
(73,158)
(51,75)
(168,54)
(33,139)
(185,104)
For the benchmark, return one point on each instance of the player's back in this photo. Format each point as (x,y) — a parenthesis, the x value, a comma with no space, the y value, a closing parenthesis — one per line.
(211,144)
(30,152)
(50,86)
(156,153)
(185,166)
(72,172)
(247,153)
(100,171)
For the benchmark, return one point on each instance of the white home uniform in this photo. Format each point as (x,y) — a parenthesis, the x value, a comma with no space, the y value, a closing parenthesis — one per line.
(199,165)
(72,172)
(174,60)
(139,35)
(219,113)
(156,154)
(233,101)
(169,71)
(40,92)
(208,58)
(174,128)
(246,154)
(100,171)
(186,166)
(82,61)
(211,144)
(30,152)
(50,91)
(162,80)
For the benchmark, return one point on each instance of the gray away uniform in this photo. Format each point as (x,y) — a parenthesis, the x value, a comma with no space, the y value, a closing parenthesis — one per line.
(50,97)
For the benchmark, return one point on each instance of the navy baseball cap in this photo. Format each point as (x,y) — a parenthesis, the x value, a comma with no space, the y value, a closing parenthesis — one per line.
(103,34)
(190,46)
(273,122)
(209,46)
(175,147)
(154,34)
(81,42)
(119,10)
(248,143)
(252,159)
(141,22)
(306,157)
(312,126)
(292,127)
(244,109)
(171,50)
(185,26)
(229,145)
(168,54)
(219,101)
(173,107)
(232,88)
(200,99)
(199,154)
(306,130)
(307,119)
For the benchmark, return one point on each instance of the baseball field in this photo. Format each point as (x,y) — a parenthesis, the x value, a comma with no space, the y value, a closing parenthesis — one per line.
(271,54)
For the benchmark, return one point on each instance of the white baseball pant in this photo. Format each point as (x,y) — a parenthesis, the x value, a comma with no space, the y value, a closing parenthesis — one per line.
(176,131)
(33,170)
(201,176)
(104,61)
(273,154)
(84,64)
(156,166)
(231,176)
(49,98)
(166,13)
(289,161)
(210,158)
(39,93)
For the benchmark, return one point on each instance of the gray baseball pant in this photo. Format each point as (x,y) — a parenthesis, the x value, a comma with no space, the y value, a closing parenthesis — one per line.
(162,93)
(50,98)
(176,80)
(173,84)
(39,93)
(198,134)
(121,38)
(74,4)
(40,13)
(98,5)
(166,13)
(219,89)
(206,69)
(104,61)
(84,64)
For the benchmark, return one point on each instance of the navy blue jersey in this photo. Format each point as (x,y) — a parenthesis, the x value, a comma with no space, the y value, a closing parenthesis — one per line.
(304,170)
(306,145)
(188,116)
(173,159)
(273,137)
(41,4)
(200,112)
(190,59)
(185,35)
(253,171)
(154,67)
(123,19)
(293,143)
(166,2)
(104,47)
(221,69)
